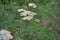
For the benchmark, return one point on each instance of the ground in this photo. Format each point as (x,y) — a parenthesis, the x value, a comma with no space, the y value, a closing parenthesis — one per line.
(44,29)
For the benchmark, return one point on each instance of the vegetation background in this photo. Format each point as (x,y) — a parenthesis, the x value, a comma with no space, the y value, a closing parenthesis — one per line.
(45,29)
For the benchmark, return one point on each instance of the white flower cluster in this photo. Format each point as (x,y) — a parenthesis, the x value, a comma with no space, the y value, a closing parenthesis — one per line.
(32,5)
(27,15)
(5,35)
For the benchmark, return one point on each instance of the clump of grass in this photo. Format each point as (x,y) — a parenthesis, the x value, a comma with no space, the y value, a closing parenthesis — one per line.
(28,30)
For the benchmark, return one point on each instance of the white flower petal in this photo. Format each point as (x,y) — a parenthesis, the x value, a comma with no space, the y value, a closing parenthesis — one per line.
(19,10)
(4,34)
(29,18)
(24,18)
(32,5)
(27,15)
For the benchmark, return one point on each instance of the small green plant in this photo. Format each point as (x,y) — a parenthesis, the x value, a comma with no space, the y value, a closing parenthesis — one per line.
(41,27)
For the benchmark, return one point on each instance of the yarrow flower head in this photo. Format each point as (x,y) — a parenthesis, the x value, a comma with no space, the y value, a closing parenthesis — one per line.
(5,35)
(33,5)
(27,15)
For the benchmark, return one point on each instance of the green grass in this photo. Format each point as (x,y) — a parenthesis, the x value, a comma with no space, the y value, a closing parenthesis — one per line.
(28,30)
